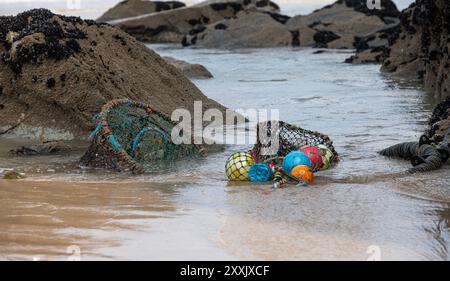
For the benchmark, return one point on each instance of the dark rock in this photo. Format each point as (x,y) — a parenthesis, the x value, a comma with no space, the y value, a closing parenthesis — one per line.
(35,36)
(325,37)
(295,38)
(223,6)
(424,33)
(51,83)
(374,47)
(278,17)
(197,29)
(220,26)
(168,5)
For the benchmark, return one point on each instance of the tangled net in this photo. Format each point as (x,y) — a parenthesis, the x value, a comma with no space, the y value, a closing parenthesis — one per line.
(277,146)
(289,137)
(132,136)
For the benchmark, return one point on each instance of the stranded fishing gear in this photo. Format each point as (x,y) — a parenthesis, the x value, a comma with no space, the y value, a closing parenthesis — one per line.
(286,154)
(132,136)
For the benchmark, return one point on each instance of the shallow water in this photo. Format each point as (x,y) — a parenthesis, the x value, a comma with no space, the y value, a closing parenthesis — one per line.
(362,209)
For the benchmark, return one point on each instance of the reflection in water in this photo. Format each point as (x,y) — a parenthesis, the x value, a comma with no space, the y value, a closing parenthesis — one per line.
(190,212)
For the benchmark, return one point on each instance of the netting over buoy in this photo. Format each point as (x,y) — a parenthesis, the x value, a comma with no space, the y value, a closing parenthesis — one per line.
(237,166)
(289,138)
(131,135)
(283,153)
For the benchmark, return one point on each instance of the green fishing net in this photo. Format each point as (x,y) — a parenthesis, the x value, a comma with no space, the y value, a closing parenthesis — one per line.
(132,136)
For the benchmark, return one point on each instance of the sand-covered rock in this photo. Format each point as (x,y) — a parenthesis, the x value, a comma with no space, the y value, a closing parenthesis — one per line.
(422,48)
(171,26)
(56,73)
(191,70)
(132,8)
(246,30)
(337,25)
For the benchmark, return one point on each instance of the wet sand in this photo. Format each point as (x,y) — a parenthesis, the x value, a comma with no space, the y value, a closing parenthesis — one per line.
(125,220)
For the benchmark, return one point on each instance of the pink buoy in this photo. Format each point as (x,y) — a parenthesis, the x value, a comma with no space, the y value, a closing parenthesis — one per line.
(314,155)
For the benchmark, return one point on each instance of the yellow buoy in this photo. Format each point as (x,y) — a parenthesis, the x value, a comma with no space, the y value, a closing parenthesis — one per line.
(327,156)
(237,166)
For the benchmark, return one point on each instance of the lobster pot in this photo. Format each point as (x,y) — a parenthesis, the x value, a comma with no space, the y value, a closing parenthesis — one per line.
(131,135)
(275,139)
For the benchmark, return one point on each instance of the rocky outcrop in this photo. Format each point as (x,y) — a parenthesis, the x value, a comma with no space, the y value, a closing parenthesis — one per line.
(172,26)
(373,48)
(56,72)
(439,123)
(337,25)
(421,51)
(132,8)
(193,71)
(246,30)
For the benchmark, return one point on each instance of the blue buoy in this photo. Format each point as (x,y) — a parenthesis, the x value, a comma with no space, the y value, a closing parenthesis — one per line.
(294,159)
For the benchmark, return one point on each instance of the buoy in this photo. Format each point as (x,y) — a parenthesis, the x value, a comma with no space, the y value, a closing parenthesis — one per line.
(238,165)
(260,173)
(327,156)
(303,173)
(294,159)
(314,155)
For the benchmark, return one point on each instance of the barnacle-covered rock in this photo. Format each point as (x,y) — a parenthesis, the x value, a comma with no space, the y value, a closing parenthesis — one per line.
(421,51)
(56,73)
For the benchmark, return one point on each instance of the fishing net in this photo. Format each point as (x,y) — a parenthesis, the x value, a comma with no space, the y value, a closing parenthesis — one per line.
(132,136)
(275,139)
